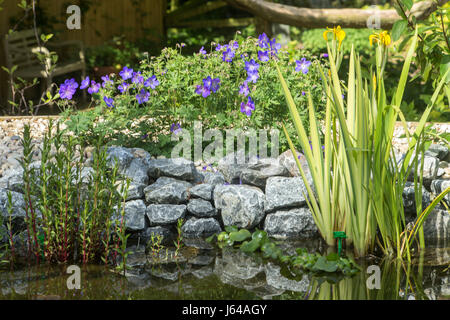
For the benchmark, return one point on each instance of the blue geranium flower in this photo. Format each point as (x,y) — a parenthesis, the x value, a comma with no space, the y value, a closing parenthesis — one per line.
(263,56)
(151,82)
(85,83)
(203,91)
(68,89)
(263,41)
(228,55)
(142,96)
(123,87)
(202,50)
(248,108)
(109,102)
(137,78)
(94,88)
(243,89)
(215,85)
(126,73)
(251,66)
(302,65)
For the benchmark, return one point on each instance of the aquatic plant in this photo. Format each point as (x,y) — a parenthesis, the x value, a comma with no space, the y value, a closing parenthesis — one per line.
(357,180)
(69,207)
(178,243)
(259,241)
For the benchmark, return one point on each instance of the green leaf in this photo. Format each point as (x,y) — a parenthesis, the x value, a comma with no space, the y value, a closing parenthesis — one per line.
(400,11)
(323,265)
(241,235)
(230,229)
(333,256)
(398,29)
(251,246)
(445,65)
(407,3)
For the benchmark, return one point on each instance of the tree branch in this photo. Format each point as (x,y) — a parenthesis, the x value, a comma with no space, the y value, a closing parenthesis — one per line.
(321,18)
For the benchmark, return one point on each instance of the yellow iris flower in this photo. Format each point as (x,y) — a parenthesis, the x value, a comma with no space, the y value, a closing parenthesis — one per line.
(382,37)
(337,32)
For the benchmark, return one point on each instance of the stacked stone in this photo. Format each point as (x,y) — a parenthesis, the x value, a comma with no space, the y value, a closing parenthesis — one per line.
(246,192)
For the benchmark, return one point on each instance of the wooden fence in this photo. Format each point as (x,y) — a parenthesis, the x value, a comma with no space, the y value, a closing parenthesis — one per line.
(105,19)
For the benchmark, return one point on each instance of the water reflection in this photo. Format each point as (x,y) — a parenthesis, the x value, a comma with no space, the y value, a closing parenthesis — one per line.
(203,272)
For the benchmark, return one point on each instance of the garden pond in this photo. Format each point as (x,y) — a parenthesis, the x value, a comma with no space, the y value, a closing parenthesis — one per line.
(204,272)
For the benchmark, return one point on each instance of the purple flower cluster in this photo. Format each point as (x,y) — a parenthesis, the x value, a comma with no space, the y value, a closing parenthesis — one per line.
(271,47)
(68,89)
(228,51)
(209,84)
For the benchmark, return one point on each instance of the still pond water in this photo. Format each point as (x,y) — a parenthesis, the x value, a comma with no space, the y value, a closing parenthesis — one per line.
(206,273)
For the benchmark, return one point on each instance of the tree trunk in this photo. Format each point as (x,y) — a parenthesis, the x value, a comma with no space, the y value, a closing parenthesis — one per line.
(321,18)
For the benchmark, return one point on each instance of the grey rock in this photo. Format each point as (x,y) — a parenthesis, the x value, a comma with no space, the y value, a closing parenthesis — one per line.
(257,174)
(13,181)
(295,223)
(288,161)
(240,205)
(137,170)
(124,156)
(430,169)
(203,191)
(437,228)
(163,214)
(409,198)
(18,209)
(438,151)
(177,168)
(213,178)
(201,208)
(164,231)
(276,280)
(232,165)
(20,241)
(167,190)
(202,227)
(282,192)
(86,175)
(135,191)
(144,237)
(437,186)
(135,211)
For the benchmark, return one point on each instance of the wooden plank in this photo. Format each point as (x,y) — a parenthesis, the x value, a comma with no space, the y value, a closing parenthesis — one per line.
(221,23)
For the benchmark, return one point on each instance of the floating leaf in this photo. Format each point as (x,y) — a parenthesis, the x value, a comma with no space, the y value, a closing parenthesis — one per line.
(240,235)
